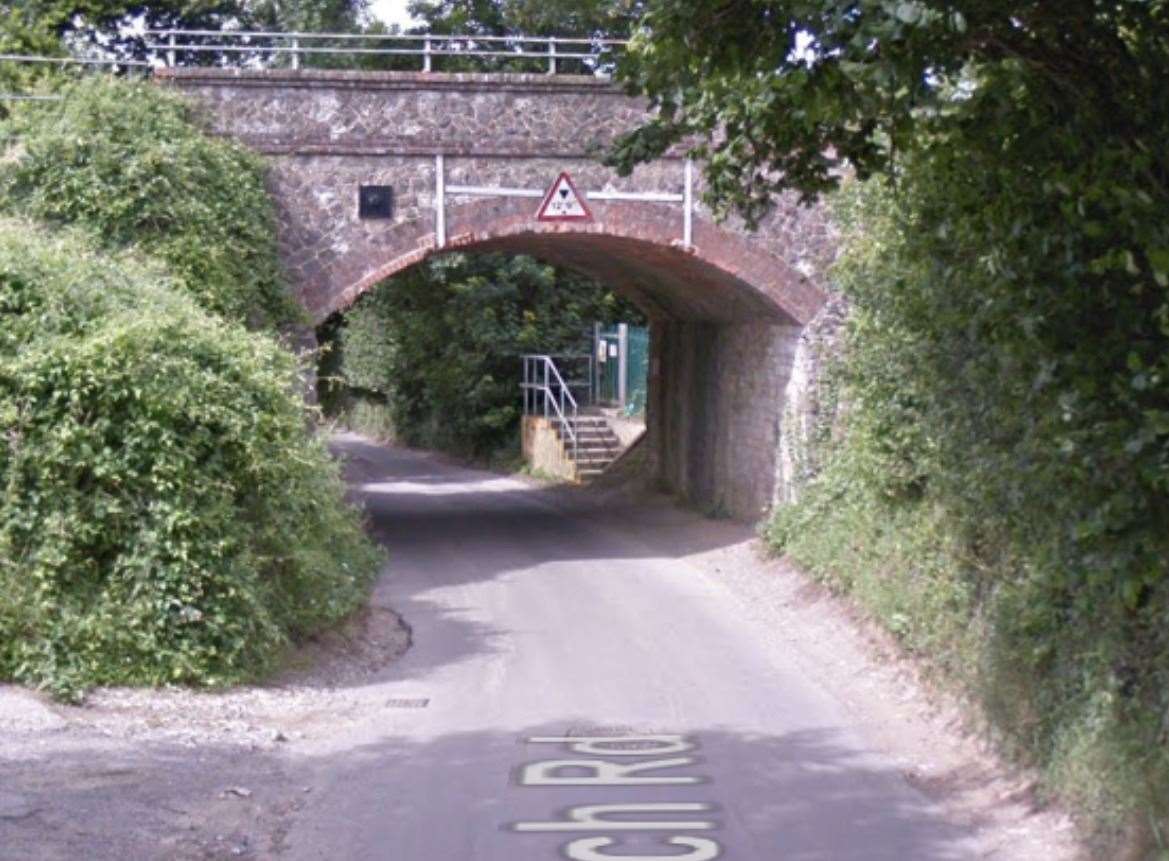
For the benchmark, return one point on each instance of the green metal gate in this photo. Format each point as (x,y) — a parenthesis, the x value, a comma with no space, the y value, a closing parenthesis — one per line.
(608,366)
(636,370)
(622,363)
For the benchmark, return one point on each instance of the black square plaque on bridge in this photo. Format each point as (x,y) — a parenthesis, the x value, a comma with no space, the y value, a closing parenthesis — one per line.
(375,201)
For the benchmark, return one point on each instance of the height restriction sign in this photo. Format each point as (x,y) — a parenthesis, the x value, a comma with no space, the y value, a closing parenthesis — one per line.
(563,202)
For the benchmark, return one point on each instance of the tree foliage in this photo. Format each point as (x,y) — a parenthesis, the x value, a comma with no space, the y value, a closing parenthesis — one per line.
(441,344)
(310,16)
(786,93)
(591,19)
(102,27)
(116,30)
(114,26)
(606,18)
(131,163)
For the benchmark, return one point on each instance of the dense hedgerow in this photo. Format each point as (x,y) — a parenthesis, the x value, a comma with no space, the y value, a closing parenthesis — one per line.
(432,356)
(999,495)
(165,516)
(130,162)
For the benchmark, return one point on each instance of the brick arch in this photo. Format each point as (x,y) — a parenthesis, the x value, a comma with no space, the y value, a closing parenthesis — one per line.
(726,313)
(635,247)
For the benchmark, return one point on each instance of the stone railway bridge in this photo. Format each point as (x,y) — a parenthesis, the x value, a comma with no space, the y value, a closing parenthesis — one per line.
(469,156)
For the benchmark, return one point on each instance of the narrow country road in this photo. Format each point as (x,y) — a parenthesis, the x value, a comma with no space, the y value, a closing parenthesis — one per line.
(537,629)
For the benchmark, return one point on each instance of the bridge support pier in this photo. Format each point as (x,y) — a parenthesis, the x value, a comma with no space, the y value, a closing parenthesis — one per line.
(715,404)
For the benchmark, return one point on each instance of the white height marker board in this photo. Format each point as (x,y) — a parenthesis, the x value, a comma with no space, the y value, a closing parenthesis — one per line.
(563,202)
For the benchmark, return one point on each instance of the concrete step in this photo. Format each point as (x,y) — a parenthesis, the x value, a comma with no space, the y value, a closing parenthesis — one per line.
(593,452)
(582,456)
(581,423)
(596,445)
(595,456)
(593,441)
(590,431)
(607,439)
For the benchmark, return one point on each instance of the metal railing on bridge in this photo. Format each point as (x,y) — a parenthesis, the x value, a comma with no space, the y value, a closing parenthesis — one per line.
(425,52)
(260,49)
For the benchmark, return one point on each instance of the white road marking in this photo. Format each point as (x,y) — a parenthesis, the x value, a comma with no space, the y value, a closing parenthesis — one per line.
(591,817)
(644,817)
(604,773)
(620,745)
(587,849)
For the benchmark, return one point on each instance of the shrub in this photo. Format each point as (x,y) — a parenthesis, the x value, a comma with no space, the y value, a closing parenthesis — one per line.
(999,498)
(164,514)
(130,162)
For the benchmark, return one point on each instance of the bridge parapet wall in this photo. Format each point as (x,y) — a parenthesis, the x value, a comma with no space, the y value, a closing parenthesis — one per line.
(509,115)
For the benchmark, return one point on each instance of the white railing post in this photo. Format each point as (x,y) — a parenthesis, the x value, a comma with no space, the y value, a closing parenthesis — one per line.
(592,395)
(426,49)
(171,56)
(688,203)
(295,43)
(439,201)
(622,362)
(552,56)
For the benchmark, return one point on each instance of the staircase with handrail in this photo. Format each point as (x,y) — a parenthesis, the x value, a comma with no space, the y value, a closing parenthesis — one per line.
(587,445)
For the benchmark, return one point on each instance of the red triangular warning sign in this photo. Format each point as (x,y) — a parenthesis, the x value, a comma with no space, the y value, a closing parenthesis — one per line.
(563,202)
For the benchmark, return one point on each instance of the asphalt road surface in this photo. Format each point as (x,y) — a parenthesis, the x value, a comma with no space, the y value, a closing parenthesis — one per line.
(577,689)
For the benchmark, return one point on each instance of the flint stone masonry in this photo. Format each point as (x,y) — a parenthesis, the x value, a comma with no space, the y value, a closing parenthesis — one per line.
(726,309)
(713,422)
(812,415)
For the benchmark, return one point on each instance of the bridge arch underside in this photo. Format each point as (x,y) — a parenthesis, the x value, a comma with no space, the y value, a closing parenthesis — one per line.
(725,320)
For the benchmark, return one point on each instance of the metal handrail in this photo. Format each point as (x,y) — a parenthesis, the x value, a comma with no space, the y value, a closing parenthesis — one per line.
(562,400)
(564,363)
(431,45)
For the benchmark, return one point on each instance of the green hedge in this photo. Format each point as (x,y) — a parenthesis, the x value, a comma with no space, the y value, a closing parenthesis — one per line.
(164,514)
(999,493)
(131,163)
